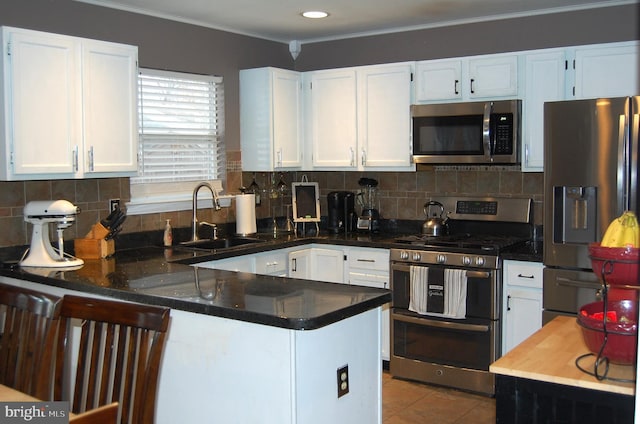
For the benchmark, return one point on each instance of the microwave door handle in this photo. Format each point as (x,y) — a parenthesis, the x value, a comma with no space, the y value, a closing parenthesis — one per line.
(486,129)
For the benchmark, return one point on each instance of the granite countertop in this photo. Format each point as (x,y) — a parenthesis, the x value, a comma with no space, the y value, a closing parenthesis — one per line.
(159,276)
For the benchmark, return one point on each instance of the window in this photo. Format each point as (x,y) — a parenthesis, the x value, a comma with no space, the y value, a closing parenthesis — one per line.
(181,125)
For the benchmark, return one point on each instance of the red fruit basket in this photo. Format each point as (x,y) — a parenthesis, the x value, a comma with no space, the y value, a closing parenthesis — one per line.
(616,265)
(621,330)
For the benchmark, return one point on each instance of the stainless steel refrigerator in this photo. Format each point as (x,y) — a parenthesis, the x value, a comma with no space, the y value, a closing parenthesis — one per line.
(590,177)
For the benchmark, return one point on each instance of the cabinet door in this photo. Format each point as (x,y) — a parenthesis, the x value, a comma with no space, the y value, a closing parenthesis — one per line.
(42,104)
(493,76)
(300,264)
(606,71)
(332,118)
(287,122)
(523,315)
(109,86)
(545,75)
(522,302)
(384,127)
(438,80)
(328,265)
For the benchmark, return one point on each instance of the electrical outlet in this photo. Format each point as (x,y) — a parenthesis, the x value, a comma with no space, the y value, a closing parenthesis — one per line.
(343,380)
(114,204)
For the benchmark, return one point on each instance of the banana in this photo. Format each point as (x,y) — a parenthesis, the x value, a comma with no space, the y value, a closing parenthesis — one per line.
(609,234)
(623,231)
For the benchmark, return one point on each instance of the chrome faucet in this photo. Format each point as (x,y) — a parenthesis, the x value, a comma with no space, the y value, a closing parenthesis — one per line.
(194,206)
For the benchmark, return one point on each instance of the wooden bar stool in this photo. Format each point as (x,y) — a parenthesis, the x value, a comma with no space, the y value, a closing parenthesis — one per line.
(28,339)
(118,356)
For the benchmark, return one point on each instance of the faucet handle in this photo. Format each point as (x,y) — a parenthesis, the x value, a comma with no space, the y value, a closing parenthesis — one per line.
(214,229)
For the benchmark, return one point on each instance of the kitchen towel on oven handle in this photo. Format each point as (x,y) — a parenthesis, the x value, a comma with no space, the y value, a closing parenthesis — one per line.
(455,286)
(438,292)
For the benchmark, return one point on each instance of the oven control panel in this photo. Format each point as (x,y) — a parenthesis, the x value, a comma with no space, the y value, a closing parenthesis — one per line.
(426,257)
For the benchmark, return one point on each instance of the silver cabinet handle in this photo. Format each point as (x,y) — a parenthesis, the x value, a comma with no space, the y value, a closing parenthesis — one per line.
(91,158)
(74,159)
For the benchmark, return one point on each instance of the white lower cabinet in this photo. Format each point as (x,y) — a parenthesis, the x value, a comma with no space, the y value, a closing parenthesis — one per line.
(272,263)
(244,263)
(522,302)
(361,266)
(317,263)
(370,267)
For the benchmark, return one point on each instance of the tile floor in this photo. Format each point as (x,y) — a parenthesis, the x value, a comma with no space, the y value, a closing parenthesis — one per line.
(405,402)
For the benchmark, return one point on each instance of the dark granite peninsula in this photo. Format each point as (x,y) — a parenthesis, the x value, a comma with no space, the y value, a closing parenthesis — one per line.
(234,337)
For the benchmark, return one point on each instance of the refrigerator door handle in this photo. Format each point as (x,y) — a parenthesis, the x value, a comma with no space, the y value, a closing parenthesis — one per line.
(623,170)
(633,162)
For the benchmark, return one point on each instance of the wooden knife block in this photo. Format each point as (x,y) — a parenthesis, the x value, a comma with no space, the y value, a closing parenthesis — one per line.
(93,245)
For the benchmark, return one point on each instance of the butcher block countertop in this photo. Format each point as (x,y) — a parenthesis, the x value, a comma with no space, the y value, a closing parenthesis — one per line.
(549,355)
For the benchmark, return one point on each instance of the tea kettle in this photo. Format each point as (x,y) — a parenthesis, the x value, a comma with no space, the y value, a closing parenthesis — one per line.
(435,225)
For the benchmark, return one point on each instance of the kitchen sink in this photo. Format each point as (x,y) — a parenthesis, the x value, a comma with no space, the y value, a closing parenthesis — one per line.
(220,243)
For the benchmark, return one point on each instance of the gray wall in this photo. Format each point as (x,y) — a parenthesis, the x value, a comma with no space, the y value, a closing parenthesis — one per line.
(600,25)
(176,46)
(162,44)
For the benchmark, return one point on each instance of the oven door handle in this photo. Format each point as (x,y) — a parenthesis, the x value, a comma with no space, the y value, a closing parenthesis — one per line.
(442,324)
(469,274)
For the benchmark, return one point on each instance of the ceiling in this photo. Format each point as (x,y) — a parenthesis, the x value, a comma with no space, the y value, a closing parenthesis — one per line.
(281,20)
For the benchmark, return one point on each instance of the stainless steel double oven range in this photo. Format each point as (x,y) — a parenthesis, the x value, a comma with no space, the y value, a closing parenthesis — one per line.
(438,347)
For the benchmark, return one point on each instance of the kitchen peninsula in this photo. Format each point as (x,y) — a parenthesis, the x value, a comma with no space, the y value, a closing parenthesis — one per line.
(538,381)
(242,347)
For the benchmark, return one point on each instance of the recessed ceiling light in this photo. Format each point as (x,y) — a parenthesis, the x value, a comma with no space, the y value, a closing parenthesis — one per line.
(315,14)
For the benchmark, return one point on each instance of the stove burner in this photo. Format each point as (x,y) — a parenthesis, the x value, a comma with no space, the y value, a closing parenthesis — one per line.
(486,243)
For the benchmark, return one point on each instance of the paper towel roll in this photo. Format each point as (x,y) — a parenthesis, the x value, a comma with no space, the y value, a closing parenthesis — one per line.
(245,214)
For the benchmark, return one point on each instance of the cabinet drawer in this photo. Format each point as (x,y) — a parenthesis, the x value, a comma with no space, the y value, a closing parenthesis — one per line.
(524,275)
(271,264)
(379,280)
(369,259)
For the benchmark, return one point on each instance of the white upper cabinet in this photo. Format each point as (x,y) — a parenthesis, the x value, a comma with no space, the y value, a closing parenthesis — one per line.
(110,87)
(545,75)
(439,80)
(358,118)
(271,119)
(493,76)
(384,126)
(468,78)
(70,107)
(331,118)
(606,71)
(602,70)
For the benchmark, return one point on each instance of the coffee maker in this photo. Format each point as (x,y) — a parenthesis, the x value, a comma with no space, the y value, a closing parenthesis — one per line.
(341,209)
(369,219)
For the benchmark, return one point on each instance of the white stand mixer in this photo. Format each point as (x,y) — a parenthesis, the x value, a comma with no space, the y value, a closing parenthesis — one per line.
(42,254)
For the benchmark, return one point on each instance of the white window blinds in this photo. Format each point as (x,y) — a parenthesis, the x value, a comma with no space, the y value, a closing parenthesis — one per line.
(181,119)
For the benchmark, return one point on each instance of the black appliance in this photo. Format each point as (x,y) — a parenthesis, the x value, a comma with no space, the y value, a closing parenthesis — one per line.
(435,345)
(341,210)
(467,132)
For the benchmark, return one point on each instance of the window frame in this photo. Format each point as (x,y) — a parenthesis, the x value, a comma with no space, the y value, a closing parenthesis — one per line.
(155,197)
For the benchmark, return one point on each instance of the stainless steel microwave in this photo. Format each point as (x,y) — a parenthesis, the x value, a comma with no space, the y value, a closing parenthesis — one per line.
(467,133)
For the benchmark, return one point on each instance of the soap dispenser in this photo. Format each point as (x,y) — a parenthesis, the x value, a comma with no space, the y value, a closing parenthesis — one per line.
(168,235)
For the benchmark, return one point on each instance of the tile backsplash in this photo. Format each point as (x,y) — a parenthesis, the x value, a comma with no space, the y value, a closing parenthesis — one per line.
(402,195)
